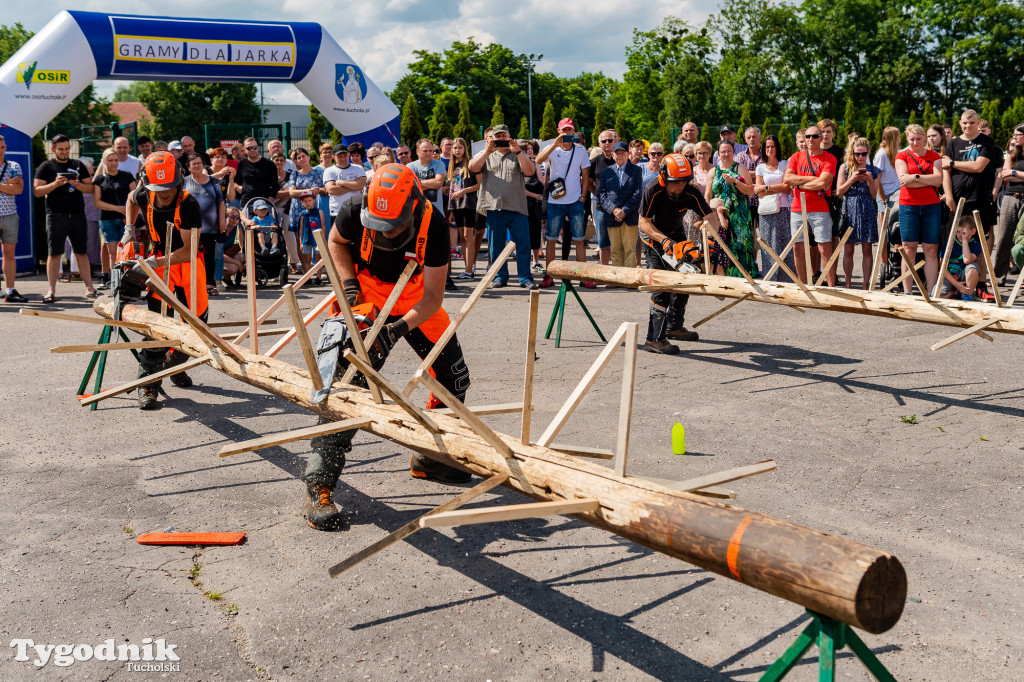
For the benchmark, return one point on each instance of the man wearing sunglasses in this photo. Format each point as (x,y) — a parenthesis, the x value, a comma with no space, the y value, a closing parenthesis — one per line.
(810,174)
(256,176)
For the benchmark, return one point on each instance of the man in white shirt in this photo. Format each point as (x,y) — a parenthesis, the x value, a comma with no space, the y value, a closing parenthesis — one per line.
(568,173)
(125,161)
(276,147)
(344,181)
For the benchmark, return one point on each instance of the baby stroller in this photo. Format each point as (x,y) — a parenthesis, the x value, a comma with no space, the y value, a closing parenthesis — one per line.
(269,265)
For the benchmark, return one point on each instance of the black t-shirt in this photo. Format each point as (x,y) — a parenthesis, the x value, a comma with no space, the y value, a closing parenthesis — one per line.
(975,187)
(64,199)
(114,189)
(840,154)
(597,166)
(667,215)
(387,266)
(191,216)
(257,179)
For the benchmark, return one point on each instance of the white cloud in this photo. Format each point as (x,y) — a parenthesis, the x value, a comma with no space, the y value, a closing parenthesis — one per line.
(381,35)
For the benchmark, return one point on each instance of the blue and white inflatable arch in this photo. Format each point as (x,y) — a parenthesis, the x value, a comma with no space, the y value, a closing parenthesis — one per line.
(76,48)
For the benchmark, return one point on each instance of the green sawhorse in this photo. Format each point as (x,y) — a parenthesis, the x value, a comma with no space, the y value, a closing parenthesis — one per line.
(559,312)
(100,356)
(831,636)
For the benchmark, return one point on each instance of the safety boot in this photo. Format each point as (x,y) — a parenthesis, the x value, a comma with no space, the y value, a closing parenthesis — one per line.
(319,509)
(424,467)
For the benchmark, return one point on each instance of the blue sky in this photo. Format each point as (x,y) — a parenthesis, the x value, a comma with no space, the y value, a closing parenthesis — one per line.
(382,34)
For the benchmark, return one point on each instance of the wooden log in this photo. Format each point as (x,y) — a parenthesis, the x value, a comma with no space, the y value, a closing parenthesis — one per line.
(276,331)
(93,347)
(835,254)
(317,310)
(899,280)
(727,476)
(498,408)
(785,252)
(626,399)
(721,310)
(736,262)
(917,278)
(965,333)
(167,264)
(789,272)
(582,451)
(237,323)
(939,311)
(293,435)
(1016,289)
(372,377)
(853,583)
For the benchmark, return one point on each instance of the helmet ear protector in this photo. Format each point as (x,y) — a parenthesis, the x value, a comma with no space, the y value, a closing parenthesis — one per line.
(396,200)
(675,168)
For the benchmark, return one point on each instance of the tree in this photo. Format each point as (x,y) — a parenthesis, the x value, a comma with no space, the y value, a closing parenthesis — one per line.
(804,123)
(131,92)
(440,128)
(705,134)
(548,130)
(336,137)
(184,108)
(600,123)
(766,126)
(990,112)
(497,117)
(620,127)
(849,119)
(666,136)
(464,128)
(1011,118)
(912,119)
(412,128)
(569,112)
(928,116)
(745,121)
(786,142)
(524,128)
(317,123)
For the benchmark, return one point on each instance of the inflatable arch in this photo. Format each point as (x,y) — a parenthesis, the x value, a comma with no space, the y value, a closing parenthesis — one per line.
(76,48)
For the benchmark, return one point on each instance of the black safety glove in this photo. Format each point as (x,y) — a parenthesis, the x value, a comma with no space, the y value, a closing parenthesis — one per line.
(389,336)
(352,291)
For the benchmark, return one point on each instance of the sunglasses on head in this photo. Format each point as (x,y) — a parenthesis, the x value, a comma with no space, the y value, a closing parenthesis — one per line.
(812,137)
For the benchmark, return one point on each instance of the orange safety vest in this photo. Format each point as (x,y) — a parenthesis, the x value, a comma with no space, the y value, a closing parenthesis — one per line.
(181,273)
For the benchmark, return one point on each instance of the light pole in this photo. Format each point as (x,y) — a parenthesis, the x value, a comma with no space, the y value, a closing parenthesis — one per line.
(531,59)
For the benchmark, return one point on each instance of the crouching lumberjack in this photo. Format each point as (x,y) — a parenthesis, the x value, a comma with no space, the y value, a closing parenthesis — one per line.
(370,246)
(160,200)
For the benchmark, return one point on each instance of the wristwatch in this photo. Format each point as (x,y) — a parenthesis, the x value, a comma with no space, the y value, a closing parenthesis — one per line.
(952,164)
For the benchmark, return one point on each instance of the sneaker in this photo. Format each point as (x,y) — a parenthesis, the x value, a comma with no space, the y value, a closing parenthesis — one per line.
(466,275)
(181,380)
(682,334)
(319,509)
(498,284)
(984,295)
(103,284)
(547,282)
(966,297)
(14,297)
(529,286)
(222,287)
(456,254)
(424,467)
(538,268)
(147,397)
(449,285)
(589,285)
(663,347)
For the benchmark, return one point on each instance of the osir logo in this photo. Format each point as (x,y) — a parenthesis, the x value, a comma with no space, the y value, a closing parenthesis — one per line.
(28,74)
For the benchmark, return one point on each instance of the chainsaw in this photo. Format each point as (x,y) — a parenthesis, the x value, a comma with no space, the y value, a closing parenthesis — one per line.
(684,257)
(334,339)
(127,284)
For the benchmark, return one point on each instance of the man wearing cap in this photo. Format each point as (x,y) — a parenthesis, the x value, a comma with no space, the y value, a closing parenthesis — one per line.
(568,178)
(371,242)
(727,132)
(256,176)
(158,200)
(621,188)
(174,147)
(502,198)
(344,181)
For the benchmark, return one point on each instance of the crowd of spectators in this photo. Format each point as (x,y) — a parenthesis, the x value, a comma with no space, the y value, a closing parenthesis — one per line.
(541,194)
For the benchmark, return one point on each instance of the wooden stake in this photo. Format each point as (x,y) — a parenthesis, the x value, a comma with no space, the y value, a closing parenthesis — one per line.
(880,252)
(721,477)
(499,408)
(241,323)
(31,312)
(785,252)
(583,451)
(93,347)
(414,525)
(949,247)
(193,256)
(993,280)
(293,435)
(899,280)
(965,333)
(835,255)
(275,331)
(626,399)
(197,324)
(721,310)
(743,271)
(531,354)
(385,312)
(1016,289)
(320,307)
(576,397)
(131,386)
(464,413)
(250,288)
(346,311)
(913,273)
(169,234)
(372,377)
(707,248)
(449,332)
(532,510)
(303,336)
(263,318)
(786,269)
(807,237)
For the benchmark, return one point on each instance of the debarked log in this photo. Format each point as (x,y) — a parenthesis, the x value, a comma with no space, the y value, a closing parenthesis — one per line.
(842,579)
(946,312)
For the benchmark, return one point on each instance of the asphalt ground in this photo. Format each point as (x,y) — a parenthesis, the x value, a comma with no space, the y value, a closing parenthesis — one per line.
(827,395)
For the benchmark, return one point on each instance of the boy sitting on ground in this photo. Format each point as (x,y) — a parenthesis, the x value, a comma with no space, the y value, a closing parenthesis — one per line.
(963,274)
(266,226)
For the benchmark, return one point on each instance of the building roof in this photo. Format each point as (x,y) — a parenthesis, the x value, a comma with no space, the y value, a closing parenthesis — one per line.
(130,112)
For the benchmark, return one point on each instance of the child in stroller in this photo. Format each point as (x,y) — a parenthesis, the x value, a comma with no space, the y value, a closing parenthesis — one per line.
(262,216)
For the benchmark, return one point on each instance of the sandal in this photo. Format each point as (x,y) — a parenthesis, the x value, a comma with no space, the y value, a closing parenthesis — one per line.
(49,298)
(95,293)
(212,291)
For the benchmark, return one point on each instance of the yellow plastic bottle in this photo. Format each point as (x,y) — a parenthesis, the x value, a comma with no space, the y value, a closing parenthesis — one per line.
(678,436)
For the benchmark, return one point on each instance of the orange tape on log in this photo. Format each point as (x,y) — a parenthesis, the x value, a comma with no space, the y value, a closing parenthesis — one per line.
(734,546)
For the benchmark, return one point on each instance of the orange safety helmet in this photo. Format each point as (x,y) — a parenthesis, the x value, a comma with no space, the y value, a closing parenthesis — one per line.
(675,168)
(391,198)
(161,172)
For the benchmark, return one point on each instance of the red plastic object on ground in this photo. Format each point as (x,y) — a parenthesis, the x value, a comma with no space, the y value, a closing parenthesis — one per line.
(190,538)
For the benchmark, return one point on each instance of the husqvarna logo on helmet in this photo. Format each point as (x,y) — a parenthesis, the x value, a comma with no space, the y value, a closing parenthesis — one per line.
(382,204)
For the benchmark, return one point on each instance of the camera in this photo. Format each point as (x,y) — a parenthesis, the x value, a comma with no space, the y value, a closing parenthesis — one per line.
(501,143)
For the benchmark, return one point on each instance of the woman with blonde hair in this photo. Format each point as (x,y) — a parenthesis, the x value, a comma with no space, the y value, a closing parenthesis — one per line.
(463,187)
(920,172)
(857,185)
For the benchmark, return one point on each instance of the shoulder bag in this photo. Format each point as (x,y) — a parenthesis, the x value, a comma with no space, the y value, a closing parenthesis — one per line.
(769,204)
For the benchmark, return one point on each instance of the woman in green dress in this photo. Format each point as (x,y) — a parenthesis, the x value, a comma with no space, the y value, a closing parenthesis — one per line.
(731,183)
